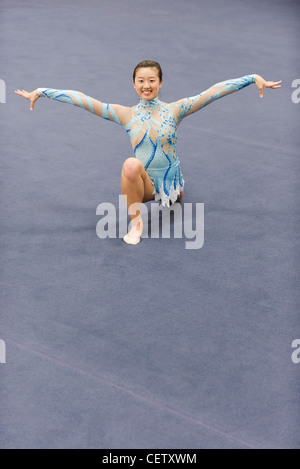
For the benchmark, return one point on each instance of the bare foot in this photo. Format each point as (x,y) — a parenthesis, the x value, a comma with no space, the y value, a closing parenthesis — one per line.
(134,235)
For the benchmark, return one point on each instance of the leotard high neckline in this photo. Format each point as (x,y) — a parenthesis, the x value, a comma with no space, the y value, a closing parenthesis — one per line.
(153,103)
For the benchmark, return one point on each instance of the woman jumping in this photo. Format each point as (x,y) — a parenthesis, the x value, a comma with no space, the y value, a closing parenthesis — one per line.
(154,173)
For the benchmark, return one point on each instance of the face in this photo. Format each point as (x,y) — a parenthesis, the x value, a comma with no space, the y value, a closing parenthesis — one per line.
(147,83)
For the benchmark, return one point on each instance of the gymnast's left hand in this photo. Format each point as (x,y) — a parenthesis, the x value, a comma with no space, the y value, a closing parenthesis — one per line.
(261,84)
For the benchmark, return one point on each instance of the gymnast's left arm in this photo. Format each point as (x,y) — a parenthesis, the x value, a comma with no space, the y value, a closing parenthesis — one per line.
(219,90)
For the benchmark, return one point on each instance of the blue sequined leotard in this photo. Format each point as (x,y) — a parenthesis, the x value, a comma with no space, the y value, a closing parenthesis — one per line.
(152,128)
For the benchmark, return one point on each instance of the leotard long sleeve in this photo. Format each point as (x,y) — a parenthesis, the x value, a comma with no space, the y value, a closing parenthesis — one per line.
(82,100)
(152,128)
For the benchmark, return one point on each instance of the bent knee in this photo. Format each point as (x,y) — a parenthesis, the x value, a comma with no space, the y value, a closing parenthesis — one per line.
(132,168)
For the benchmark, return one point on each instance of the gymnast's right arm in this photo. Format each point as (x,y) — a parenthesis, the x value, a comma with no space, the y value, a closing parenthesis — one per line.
(112,112)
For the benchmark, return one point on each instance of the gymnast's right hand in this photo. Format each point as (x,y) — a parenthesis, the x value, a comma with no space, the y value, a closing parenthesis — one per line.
(33,96)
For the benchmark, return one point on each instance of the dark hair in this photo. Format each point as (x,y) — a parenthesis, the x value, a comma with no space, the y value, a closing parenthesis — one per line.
(148,63)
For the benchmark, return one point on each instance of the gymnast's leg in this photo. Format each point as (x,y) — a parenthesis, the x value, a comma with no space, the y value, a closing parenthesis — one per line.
(137,186)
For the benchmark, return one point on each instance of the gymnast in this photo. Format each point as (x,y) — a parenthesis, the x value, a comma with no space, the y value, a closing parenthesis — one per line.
(154,173)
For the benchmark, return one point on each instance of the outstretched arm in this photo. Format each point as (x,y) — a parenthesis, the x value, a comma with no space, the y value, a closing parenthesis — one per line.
(217,91)
(113,112)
